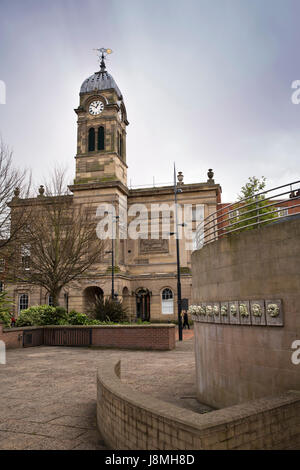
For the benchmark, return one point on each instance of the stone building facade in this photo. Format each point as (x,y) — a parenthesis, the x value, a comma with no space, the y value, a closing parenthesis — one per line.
(145,268)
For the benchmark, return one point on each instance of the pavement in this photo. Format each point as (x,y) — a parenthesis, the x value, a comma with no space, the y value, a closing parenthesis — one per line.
(48,394)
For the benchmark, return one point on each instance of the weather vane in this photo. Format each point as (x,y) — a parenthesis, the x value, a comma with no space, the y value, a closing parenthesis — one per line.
(102,54)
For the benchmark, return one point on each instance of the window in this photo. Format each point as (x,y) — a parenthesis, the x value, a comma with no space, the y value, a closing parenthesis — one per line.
(25,253)
(282,212)
(50,300)
(233,216)
(101,138)
(91,144)
(194,240)
(1,286)
(120,144)
(167,302)
(2,264)
(23,302)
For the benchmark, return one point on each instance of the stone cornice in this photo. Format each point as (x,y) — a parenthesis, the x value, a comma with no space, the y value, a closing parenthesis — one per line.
(170,189)
(15,202)
(99,185)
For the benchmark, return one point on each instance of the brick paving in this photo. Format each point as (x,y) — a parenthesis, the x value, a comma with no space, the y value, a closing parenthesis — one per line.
(48,394)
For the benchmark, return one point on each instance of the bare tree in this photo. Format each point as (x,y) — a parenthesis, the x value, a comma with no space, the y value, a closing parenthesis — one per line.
(13,182)
(60,242)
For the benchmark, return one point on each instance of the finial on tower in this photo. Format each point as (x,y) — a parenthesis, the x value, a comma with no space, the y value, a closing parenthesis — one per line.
(102,53)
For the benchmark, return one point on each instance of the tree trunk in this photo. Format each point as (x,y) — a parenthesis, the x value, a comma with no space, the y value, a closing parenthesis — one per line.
(55,296)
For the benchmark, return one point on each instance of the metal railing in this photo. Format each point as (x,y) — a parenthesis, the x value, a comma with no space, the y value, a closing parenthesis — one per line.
(254,211)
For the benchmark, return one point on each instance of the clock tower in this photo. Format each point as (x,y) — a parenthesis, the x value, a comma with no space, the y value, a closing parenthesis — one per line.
(102,121)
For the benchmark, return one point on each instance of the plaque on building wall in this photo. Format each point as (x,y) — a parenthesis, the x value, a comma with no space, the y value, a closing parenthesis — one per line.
(153,246)
(209,313)
(244,310)
(258,316)
(203,315)
(224,312)
(234,314)
(217,311)
(240,312)
(274,314)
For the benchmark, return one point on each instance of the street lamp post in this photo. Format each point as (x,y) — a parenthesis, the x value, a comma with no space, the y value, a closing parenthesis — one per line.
(176,191)
(114,220)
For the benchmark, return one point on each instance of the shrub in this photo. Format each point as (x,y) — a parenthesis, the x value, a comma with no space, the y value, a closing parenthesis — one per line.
(29,317)
(5,303)
(5,318)
(76,318)
(108,310)
(142,322)
(42,315)
(94,322)
(53,315)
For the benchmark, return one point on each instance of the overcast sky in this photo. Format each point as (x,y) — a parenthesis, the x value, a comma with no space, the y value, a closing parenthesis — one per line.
(206,83)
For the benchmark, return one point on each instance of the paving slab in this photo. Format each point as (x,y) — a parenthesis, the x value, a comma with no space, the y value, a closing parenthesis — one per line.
(49,393)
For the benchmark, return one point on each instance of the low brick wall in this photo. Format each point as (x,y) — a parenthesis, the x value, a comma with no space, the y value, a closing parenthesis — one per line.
(158,337)
(129,420)
(13,337)
(153,337)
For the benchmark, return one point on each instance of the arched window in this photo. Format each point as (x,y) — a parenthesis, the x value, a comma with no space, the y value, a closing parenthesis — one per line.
(167,301)
(101,138)
(23,302)
(91,139)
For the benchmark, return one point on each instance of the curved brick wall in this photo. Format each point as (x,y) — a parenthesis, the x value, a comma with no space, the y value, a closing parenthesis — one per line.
(237,363)
(128,420)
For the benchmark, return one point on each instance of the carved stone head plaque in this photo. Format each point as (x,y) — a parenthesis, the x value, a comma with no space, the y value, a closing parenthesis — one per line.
(274,313)
(217,312)
(224,312)
(210,313)
(234,314)
(257,309)
(244,309)
(203,317)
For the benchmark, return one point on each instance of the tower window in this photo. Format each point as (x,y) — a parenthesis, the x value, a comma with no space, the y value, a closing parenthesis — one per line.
(120,144)
(91,139)
(101,138)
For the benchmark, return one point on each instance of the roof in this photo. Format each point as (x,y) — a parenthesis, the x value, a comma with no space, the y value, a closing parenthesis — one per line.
(100,81)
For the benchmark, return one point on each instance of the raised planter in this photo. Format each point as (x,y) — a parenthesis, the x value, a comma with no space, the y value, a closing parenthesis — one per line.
(153,337)
(129,420)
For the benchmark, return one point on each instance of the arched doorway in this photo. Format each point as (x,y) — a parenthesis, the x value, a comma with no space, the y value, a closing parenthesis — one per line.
(143,304)
(90,296)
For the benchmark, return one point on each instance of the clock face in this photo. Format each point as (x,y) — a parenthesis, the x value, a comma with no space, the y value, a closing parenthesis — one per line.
(96,107)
